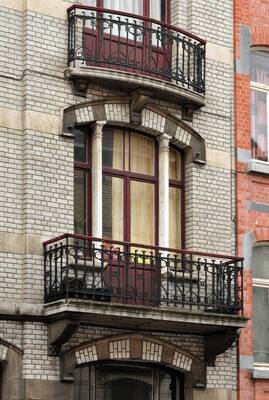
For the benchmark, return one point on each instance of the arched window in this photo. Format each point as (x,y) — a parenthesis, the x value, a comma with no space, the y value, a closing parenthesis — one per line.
(116,381)
(260,105)
(130,188)
(260,264)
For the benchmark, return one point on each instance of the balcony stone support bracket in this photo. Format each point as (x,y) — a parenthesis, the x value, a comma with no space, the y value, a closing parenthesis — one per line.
(136,113)
(60,331)
(134,347)
(217,343)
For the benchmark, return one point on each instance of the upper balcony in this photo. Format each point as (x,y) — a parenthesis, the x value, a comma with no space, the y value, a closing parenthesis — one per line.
(128,51)
(136,286)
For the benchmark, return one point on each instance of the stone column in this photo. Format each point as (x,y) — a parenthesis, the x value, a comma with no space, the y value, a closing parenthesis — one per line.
(164,190)
(97,179)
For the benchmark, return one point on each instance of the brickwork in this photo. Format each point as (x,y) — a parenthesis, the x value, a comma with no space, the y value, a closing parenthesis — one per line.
(251,28)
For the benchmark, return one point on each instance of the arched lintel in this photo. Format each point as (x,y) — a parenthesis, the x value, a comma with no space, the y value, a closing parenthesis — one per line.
(5,347)
(134,347)
(122,111)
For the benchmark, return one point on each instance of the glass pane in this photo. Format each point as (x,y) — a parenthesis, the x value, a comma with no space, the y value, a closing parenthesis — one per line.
(142,158)
(112,208)
(80,202)
(168,385)
(175,219)
(130,6)
(81,383)
(261,324)
(80,146)
(260,262)
(91,3)
(259,119)
(142,213)
(260,67)
(174,165)
(113,149)
(122,382)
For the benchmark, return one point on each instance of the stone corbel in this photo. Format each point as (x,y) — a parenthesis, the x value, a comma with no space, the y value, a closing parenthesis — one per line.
(59,332)
(81,87)
(188,111)
(140,98)
(217,343)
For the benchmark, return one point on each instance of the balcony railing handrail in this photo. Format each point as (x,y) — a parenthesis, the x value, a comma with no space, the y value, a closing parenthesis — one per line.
(140,245)
(136,16)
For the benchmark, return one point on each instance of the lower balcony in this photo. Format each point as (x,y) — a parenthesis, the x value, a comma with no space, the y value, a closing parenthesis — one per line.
(136,286)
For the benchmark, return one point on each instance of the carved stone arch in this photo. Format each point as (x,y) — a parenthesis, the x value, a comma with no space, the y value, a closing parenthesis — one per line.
(134,114)
(134,348)
(11,363)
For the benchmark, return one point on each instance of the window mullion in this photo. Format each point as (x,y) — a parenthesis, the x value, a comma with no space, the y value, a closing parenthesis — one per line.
(97,202)
(164,190)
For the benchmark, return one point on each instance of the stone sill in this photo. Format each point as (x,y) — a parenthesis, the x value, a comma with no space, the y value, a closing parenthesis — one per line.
(260,373)
(126,81)
(257,166)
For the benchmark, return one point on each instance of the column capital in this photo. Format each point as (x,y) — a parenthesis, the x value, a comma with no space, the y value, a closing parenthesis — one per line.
(164,140)
(98,128)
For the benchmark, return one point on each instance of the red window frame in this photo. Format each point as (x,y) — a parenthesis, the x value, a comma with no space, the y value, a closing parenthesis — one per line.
(146,8)
(128,176)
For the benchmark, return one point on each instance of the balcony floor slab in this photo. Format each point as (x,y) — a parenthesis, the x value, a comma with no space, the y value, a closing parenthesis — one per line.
(126,316)
(129,82)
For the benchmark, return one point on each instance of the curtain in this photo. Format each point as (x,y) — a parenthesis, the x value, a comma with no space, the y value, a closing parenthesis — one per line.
(142,213)
(130,6)
(142,155)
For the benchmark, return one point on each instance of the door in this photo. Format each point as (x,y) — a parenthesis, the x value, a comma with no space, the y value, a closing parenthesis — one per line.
(128,43)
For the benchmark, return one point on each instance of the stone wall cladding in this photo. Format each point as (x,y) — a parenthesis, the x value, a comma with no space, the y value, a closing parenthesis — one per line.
(37,168)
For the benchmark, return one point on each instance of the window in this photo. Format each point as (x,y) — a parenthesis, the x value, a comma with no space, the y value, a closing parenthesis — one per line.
(130,188)
(111,381)
(260,105)
(157,9)
(260,264)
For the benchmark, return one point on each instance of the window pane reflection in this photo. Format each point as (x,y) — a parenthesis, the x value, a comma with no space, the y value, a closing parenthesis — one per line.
(261,323)
(80,201)
(259,125)
(80,146)
(259,67)
(113,149)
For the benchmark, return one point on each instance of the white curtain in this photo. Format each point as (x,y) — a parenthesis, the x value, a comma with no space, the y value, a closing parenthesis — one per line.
(130,6)
(155,9)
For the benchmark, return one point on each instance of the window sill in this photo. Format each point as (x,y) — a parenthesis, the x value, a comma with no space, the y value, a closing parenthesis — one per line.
(260,373)
(261,167)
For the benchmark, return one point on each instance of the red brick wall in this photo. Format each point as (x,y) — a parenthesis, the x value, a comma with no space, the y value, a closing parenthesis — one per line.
(250,187)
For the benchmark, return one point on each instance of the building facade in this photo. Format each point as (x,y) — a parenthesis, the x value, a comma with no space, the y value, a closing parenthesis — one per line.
(251,122)
(117,153)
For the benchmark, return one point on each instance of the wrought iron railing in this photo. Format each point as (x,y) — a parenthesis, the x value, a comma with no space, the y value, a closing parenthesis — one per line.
(114,39)
(88,268)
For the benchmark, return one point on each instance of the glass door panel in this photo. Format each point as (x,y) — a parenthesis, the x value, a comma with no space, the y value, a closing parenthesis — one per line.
(113,210)
(175,222)
(80,202)
(142,199)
